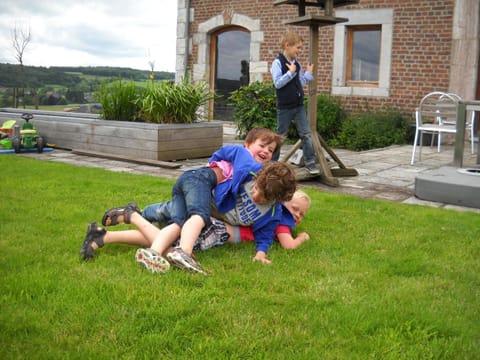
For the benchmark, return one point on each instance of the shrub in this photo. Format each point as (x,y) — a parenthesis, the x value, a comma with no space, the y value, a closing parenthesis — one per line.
(372,130)
(118,100)
(254,106)
(330,117)
(169,103)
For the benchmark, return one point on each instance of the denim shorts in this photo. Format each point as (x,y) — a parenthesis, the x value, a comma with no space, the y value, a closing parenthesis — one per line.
(160,213)
(192,195)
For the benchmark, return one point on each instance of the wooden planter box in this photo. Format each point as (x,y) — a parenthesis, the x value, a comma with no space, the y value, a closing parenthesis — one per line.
(131,139)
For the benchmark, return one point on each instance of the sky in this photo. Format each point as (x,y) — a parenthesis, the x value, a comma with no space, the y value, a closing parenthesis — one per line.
(116,33)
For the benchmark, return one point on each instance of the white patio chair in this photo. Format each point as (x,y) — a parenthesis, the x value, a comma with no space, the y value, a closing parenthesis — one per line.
(436,114)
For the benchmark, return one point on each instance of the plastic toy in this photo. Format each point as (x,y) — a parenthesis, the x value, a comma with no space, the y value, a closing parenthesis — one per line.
(28,137)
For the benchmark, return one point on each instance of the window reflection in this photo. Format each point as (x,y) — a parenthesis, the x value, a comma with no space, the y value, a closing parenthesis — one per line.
(232,54)
(365,55)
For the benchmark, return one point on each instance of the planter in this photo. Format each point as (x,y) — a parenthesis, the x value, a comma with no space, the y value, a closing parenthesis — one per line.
(130,139)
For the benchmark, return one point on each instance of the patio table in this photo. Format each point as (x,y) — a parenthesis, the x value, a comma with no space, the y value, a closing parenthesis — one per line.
(463,107)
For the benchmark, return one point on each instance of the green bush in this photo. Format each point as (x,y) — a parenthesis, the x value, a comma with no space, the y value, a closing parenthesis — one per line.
(169,103)
(330,117)
(254,106)
(373,130)
(118,100)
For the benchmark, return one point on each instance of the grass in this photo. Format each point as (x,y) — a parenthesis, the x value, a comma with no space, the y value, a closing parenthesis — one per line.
(378,280)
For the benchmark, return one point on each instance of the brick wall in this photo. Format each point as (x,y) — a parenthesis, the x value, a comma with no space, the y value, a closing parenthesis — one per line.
(421,48)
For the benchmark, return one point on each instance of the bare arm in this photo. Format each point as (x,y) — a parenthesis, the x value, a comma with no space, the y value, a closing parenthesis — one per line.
(287,241)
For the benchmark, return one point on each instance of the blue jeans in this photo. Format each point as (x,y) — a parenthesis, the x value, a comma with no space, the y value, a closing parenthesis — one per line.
(160,212)
(192,195)
(284,118)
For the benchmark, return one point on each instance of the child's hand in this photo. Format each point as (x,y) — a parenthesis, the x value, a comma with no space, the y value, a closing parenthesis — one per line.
(310,68)
(292,67)
(262,257)
(303,237)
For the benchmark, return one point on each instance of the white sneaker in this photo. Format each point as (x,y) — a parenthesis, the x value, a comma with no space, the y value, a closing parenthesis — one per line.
(184,261)
(152,261)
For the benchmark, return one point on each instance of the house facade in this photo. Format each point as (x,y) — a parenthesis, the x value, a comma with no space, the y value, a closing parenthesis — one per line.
(377,53)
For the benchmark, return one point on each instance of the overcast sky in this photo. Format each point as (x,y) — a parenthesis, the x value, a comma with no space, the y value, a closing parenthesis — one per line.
(123,33)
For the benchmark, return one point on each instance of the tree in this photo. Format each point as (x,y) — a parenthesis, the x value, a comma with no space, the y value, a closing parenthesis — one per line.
(21,37)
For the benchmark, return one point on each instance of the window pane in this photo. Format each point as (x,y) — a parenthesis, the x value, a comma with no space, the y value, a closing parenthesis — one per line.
(233,47)
(232,56)
(365,55)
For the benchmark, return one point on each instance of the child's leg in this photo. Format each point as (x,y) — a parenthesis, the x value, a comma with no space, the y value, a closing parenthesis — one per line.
(158,239)
(303,128)
(190,232)
(129,237)
(284,118)
(97,237)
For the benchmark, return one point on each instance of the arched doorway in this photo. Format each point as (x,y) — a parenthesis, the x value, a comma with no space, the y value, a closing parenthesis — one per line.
(229,64)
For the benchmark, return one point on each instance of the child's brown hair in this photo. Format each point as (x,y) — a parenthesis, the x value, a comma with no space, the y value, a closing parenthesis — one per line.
(290,38)
(276,181)
(264,134)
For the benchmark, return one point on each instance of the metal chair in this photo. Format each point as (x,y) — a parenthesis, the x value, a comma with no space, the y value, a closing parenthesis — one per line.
(436,114)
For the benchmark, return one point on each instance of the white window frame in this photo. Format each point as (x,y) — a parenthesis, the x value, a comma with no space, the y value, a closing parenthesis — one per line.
(383,17)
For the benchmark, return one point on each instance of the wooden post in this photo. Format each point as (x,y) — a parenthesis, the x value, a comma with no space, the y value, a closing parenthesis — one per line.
(326,174)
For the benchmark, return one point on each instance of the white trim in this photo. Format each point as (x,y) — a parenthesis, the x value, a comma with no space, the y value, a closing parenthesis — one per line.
(383,17)
(202,39)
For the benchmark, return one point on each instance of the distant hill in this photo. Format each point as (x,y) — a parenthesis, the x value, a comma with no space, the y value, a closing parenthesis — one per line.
(63,76)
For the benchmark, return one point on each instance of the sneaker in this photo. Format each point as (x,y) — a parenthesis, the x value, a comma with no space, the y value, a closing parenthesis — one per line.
(184,261)
(312,169)
(152,261)
(94,235)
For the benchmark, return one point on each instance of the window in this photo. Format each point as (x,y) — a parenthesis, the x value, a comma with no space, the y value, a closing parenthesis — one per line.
(362,53)
(230,53)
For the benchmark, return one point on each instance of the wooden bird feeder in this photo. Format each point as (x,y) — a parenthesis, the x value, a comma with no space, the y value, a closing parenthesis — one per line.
(313,21)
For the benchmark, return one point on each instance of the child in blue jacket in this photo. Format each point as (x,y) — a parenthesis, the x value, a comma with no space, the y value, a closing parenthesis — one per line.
(228,169)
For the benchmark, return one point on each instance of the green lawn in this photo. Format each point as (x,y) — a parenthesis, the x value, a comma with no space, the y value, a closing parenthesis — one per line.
(377,280)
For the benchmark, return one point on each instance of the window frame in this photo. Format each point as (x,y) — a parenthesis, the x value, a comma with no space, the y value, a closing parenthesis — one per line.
(351,30)
(382,18)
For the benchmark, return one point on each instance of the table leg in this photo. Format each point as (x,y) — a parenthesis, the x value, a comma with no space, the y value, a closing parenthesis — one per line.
(460,135)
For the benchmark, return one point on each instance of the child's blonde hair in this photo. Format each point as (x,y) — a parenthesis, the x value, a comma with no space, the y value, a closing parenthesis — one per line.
(290,38)
(302,195)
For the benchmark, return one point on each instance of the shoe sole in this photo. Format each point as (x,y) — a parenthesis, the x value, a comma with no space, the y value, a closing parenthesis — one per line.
(151,262)
(181,264)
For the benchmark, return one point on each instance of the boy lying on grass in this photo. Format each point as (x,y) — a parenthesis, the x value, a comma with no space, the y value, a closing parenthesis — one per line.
(219,233)
(244,203)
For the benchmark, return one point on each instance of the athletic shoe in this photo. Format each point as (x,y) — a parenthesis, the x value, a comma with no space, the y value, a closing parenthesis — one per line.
(94,235)
(152,261)
(184,261)
(312,169)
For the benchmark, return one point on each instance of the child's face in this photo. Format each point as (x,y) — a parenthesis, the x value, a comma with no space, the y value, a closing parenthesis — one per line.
(298,207)
(258,196)
(292,51)
(261,151)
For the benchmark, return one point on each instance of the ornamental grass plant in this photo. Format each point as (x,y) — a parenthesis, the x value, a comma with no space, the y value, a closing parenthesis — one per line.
(377,280)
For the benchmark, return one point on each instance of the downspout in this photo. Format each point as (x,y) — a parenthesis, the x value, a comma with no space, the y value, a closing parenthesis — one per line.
(187,40)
